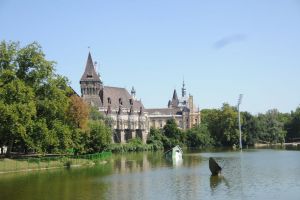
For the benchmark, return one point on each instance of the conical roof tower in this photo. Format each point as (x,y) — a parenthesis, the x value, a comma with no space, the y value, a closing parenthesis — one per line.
(90,72)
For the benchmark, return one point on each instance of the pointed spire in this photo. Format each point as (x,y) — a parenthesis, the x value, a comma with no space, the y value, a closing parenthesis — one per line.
(89,72)
(175,97)
(175,100)
(183,90)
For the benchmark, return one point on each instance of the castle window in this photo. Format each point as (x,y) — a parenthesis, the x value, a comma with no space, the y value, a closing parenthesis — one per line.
(120,101)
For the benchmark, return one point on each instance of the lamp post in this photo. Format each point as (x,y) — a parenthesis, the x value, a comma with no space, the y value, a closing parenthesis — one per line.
(240,129)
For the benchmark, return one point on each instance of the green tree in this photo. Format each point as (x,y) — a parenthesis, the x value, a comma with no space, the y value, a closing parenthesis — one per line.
(99,136)
(173,134)
(198,137)
(156,138)
(222,124)
(17,110)
(249,128)
(270,128)
(293,126)
(34,101)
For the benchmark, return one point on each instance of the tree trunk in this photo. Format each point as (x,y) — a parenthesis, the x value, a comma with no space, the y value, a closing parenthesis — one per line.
(10,146)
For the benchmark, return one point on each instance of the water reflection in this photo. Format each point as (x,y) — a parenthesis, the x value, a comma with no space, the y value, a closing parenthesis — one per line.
(140,162)
(151,176)
(216,181)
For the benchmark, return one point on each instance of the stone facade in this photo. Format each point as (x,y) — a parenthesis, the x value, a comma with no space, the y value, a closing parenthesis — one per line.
(128,117)
(181,109)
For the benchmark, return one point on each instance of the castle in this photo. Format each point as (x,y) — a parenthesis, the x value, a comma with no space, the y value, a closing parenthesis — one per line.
(129,117)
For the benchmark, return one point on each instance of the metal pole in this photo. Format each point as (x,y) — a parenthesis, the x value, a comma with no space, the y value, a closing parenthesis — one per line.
(240,129)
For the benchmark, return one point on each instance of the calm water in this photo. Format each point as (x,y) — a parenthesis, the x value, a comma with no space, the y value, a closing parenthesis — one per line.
(251,174)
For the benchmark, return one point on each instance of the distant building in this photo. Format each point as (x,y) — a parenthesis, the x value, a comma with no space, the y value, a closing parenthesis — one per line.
(181,109)
(129,119)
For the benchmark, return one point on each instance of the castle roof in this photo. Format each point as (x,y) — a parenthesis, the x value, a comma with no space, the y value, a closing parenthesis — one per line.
(89,72)
(116,95)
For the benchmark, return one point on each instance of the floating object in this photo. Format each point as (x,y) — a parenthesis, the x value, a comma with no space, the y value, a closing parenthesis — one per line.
(214,167)
(174,154)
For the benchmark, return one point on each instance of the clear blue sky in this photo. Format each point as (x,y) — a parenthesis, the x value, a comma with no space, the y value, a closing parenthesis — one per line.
(221,47)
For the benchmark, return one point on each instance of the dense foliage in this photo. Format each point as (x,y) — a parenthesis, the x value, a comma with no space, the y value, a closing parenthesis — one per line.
(39,112)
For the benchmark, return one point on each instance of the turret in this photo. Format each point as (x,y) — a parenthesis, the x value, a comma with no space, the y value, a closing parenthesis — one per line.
(133,93)
(90,84)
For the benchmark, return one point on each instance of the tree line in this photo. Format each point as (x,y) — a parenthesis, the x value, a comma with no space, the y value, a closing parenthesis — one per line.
(40,113)
(219,127)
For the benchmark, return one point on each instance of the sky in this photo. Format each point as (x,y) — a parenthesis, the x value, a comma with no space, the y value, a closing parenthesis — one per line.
(221,48)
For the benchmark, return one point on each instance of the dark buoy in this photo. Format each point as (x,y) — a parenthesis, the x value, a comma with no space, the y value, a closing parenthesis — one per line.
(214,167)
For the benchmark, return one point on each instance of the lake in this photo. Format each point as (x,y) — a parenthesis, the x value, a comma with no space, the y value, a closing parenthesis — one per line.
(251,174)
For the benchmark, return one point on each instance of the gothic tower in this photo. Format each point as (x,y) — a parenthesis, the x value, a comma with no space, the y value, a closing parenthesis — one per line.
(91,85)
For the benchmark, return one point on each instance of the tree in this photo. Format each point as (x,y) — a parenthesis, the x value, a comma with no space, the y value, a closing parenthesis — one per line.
(33,100)
(249,128)
(78,112)
(17,110)
(229,125)
(293,126)
(222,124)
(156,138)
(173,134)
(270,128)
(198,137)
(99,136)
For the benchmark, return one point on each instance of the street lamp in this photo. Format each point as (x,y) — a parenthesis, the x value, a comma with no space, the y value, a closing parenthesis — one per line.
(240,129)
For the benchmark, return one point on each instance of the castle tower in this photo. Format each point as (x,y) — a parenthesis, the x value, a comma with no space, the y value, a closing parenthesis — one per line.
(90,84)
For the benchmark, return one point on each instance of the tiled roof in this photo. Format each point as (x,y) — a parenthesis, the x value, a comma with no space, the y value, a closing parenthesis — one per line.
(116,93)
(90,73)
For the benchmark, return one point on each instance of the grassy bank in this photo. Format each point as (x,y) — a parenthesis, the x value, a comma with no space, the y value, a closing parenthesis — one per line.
(43,163)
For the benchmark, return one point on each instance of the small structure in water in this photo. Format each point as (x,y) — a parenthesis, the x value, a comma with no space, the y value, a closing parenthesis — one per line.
(174,154)
(214,167)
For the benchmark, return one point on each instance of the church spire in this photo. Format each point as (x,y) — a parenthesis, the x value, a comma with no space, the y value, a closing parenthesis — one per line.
(183,90)
(89,72)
